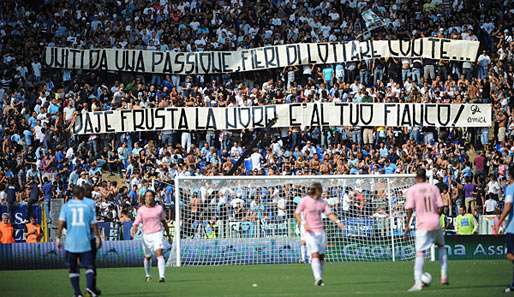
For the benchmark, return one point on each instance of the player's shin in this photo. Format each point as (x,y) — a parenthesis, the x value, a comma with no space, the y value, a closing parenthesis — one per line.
(90,276)
(147,262)
(75,282)
(161,266)
(418,267)
(443,261)
(316,268)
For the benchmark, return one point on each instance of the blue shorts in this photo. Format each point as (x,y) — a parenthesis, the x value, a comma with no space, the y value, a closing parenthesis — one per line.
(74,259)
(509,238)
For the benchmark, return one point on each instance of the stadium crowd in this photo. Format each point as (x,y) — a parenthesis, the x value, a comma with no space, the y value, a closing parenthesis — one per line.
(40,158)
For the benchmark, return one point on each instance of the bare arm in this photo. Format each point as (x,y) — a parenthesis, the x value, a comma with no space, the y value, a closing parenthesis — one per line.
(166,229)
(336,221)
(506,210)
(407,222)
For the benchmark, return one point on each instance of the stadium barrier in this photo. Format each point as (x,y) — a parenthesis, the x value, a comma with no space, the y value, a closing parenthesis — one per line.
(128,253)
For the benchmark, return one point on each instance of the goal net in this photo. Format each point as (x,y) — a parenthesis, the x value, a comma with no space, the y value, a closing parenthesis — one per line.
(250,219)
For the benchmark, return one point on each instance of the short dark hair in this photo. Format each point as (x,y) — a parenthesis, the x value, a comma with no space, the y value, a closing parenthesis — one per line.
(77,190)
(421,173)
(315,187)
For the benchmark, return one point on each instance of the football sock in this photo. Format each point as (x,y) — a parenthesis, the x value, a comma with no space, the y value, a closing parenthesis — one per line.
(443,260)
(316,268)
(148,264)
(74,279)
(161,266)
(90,276)
(418,269)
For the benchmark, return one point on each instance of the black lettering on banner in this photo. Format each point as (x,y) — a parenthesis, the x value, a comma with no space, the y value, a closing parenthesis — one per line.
(88,125)
(74,53)
(138,119)
(433,41)
(130,58)
(405,53)
(157,58)
(366,108)
(244,57)
(60,57)
(190,61)
(216,56)
(50,56)
(123,118)
(159,116)
(344,52)
(202,56)
(341,113)
(315,117)
(102,65)
(440,111)
(247,110)
(179,60)
(292,58)
(323,52)
(387,111)
(77,126)
(374,53)
(120,56)
(365,52)
(299,53)
(323,122)
(443,52)
(149,118)
(172,111)
(417,122)
(292,119)
(94,58)
(277,56)
(310,59)
(108,127)
(418,53)
(355,51)
(257,63)
(226,65)
(168,67)
(406,118)
(461,108)
(198,126)
(82,55)
(269,58)
(98,126)
(334,50)
(427,114)
(211,119)
(228,123)
(390,47)
(258,116)
(354,119)
(140,65)
(182,123)
(270,112)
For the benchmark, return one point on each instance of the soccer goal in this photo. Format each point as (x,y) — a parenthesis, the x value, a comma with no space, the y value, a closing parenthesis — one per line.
(249,219)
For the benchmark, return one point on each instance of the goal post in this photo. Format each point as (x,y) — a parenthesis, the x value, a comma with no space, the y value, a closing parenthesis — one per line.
(249,219)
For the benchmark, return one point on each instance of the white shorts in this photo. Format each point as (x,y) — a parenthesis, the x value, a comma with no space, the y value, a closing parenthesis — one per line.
(316,242)
(152,242)
(425,239)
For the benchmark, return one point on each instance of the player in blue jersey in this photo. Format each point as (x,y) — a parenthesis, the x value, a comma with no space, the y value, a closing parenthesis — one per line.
(508,211)
(88,199)
(80,220)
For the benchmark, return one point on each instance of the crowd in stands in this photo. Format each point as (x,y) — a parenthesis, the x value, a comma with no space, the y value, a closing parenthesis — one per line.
(40,157)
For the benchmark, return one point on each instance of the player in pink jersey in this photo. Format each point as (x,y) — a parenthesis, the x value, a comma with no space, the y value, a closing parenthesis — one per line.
(425,200)
(311,207)
(153,219)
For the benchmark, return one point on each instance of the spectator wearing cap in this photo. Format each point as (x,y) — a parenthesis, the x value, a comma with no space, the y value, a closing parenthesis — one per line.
(33,231)
(6,230)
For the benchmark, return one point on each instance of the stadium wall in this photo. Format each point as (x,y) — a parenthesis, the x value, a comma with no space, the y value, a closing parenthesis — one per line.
(128,253)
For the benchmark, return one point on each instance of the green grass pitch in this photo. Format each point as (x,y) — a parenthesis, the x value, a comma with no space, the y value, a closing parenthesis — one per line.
(467,278)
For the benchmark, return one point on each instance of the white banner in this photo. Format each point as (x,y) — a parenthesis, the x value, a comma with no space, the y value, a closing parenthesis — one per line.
(286,115)
(171,62)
